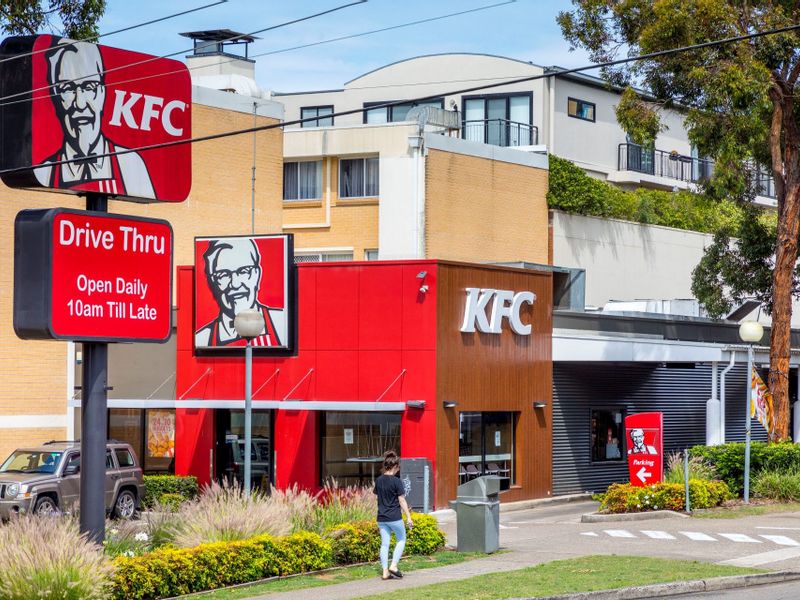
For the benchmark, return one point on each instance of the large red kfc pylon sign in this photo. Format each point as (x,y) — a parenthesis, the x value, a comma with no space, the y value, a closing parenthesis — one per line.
(82,114)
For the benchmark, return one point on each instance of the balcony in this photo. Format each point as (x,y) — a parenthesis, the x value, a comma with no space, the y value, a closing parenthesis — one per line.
(676,167)
(500,132)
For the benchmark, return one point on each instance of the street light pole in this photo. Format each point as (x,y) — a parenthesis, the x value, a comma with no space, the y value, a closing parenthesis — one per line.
(248,323)
(750,332)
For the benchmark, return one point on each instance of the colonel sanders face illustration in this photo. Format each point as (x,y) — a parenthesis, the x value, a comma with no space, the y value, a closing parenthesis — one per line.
(234,273)
(76,73)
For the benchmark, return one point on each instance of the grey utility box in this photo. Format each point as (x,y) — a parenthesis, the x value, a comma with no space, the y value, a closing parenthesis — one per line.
(415,473)
(478,514)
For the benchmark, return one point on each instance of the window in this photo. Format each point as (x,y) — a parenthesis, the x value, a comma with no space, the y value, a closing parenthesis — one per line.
(151,434)
(353,445)
(371,254)
(486,444)
(124,458)
(302,180)
(358,177)
(398,112)
(607,434)
(499,119)
(308,112)
(109,460)
(315,257)
(580,109)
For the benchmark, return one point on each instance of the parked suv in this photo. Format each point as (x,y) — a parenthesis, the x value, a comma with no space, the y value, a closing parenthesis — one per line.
(46,479)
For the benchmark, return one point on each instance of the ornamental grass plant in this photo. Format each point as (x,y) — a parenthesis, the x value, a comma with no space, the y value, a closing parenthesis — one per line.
(778,485)
(47,558)
(225,513)
(698,469)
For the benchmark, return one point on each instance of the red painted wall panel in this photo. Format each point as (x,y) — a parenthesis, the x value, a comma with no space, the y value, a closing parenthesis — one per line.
(380,287)
(337,308)
(418,319)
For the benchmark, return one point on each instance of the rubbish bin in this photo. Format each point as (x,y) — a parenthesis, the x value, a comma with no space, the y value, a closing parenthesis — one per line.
(478,514)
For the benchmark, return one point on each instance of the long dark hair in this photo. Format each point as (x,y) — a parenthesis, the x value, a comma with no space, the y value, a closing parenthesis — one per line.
(390,460)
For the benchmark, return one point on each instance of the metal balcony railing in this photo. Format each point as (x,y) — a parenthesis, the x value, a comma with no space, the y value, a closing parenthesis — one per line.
(673,165)
(500,132)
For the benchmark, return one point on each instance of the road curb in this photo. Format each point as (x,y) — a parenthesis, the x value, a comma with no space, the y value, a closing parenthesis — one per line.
(553,500)
(642,516)
(677,588)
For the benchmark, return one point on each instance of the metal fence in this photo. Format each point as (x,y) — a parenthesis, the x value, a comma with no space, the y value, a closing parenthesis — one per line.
(500,132)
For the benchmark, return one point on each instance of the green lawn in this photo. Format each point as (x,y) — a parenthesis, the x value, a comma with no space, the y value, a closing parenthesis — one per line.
(410,563)
(746,510)
(584,574)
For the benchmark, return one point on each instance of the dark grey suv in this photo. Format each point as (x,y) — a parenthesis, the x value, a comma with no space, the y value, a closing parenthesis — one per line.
(46,479)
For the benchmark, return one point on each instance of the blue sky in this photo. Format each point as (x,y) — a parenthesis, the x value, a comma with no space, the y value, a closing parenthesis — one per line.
(524,30)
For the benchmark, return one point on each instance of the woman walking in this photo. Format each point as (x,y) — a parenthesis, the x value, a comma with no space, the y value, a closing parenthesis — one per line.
(391,500)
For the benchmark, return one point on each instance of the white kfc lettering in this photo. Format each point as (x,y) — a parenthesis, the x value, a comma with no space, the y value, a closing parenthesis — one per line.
(151,110)
(505,305)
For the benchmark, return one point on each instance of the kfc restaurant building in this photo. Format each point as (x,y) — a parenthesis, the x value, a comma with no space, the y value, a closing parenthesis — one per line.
(449,362)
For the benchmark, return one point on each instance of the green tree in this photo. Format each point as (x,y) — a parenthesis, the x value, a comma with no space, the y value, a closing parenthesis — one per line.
(73,18)
(739,109)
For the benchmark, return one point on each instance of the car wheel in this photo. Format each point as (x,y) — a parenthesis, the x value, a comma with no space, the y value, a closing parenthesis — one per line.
(45,506)
(125,506)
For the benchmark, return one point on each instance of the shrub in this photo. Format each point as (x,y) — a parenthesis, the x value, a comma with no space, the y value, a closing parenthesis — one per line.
(171,502)
(783,486)
(171,572)
(698,469)
(355,542)
(728,460)
(425,537)
(126,538)
(47,558)
(625,498)
(573,191)
(155,486)
(225,513)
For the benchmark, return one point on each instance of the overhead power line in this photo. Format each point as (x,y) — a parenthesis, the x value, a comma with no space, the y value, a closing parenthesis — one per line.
(93,38)
(171,54)
(327,41)
(235,132)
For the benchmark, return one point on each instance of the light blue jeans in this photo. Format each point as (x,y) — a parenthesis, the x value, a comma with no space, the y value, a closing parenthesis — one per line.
(387,529)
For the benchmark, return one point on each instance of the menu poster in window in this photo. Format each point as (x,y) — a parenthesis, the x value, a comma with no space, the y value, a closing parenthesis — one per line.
(497,439)
(160,433)
(348,436)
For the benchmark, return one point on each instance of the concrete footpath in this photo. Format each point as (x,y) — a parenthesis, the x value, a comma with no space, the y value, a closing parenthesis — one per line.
(554,531)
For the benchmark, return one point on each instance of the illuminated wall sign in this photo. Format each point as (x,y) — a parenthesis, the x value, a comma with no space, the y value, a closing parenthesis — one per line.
(77,102)
(505,305)
(90,276)
(243,272)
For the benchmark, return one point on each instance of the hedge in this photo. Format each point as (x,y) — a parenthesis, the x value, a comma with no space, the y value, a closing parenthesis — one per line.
(170,572)
(728,460)
(573,191)
(626,498)
(156,486)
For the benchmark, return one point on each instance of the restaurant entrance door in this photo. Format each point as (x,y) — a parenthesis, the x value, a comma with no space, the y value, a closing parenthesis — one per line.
(230,448)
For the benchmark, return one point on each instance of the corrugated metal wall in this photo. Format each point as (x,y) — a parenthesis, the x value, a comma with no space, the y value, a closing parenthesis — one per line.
(680,393)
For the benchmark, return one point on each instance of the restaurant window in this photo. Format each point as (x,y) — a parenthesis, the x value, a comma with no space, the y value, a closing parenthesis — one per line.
(309,112)
(150,432)
(607,434)
(580,109)
(302,180)
(358,177)
(486,445)
(353,444)
(398,112)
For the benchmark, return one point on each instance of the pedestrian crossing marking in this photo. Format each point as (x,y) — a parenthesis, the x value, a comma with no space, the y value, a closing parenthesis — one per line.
(589,533)
(781,540)
(658,535)
(740,537)
(619,533)
(696,536)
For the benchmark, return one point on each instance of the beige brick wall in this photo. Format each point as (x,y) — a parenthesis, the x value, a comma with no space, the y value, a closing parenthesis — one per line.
(34,373)
(353,223)
(482,210)
(10,439)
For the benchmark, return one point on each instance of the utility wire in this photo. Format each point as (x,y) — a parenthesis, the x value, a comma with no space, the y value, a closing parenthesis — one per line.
(328,41)
(235,132)
(92,38)
(154,58)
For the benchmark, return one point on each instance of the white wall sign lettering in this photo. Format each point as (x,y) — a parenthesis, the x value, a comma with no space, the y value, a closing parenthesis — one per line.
(505,305)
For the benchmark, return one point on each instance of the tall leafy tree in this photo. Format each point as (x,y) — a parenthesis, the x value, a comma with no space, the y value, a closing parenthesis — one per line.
(740,109)
(73,18)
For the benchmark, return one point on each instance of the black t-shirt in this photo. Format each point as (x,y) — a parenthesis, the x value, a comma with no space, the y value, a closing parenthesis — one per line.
(389,488)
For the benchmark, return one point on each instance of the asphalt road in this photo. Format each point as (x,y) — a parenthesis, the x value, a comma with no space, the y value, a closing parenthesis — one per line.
(779,591)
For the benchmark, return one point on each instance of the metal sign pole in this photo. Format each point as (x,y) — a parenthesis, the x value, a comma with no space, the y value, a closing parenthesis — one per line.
(747,423)
(94,424)
(248,413)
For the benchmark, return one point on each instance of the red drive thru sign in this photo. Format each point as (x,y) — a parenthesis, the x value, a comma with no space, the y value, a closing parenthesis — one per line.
(644,436)
(90,276)
(82,114)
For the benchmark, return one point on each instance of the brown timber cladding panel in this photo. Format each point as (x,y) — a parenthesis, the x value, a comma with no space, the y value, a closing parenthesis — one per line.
(489,372)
